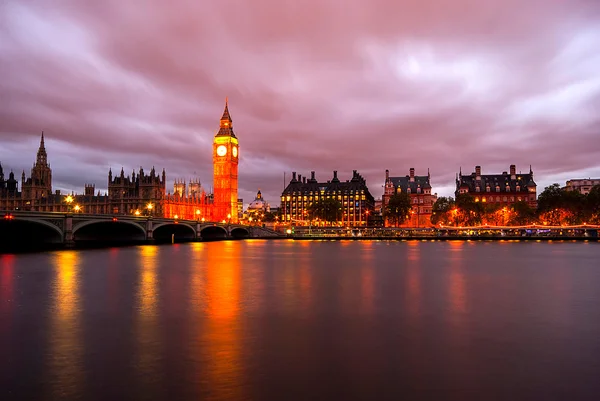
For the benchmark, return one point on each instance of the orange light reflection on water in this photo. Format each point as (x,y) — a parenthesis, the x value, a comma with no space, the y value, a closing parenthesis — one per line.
(66,347)
(148,340)
(413,272)
(222,332)
(367,281)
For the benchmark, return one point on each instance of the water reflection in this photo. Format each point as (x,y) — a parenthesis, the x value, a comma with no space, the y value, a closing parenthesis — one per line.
(147,327)
(7,303)
(6,285)
(413,281)
(65,334)
(457,290)
(222,331)
(367,283)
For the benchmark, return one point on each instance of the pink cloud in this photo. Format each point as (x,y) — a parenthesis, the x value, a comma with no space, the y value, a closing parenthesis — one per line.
(319,85)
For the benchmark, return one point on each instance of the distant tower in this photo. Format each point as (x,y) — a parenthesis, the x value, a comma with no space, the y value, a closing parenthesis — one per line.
(194,188)
(225,170)
(179,188)
(39,185)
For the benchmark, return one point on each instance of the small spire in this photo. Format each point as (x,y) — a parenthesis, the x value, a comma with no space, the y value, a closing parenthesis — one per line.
(226,115)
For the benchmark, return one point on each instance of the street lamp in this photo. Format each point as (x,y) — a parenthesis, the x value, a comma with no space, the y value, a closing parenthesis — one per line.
(137,212)
(69,200)
(229,218)
(149,206)
(77,208)
(202,219)
(197,214)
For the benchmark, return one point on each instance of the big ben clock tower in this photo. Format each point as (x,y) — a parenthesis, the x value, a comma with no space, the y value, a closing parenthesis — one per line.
(225,170)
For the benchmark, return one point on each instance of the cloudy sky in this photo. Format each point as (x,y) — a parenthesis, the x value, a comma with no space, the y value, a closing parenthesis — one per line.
(313,85)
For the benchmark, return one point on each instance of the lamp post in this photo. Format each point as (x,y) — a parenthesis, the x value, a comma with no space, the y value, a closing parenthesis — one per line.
(197,214)
(228,218)
(77,208)
(69,200)
(149,207)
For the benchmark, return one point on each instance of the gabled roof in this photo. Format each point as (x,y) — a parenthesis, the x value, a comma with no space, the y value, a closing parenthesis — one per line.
(420,181)
(503,181)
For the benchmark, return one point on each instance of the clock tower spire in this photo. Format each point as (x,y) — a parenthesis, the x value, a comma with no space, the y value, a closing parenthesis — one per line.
(225,170)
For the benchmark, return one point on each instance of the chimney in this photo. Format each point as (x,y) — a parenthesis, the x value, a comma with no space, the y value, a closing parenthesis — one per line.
(300,177)
(293,176)
(312,175)
(513,172)
(304,180)
(478,172)
(335,174)
(387,175)
(412,174)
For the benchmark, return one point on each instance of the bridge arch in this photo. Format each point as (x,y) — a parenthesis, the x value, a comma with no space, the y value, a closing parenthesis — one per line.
(23,233)
(240,232)
(48,224)
(180,231)
(213,232)
(109,230)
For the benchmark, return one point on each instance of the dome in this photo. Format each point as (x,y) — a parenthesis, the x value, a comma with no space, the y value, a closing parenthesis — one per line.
(258,203)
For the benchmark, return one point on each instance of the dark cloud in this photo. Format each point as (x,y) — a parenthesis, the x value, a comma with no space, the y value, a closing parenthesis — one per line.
(317,85)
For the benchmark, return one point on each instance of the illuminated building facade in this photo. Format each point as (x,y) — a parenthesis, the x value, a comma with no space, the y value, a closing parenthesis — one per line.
(418,187)
(582,185)
(258,205)
(139,193)
(354,196)
(225,171)
(142,192)
(500,189)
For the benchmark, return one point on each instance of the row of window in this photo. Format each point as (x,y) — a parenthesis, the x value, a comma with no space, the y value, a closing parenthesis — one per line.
(316,198)
(507,189)
(503,199)
(409,191)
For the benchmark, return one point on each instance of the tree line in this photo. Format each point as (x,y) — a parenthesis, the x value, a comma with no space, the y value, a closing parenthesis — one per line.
(555,206)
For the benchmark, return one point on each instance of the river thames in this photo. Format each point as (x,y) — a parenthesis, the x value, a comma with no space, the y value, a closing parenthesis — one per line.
(303,320)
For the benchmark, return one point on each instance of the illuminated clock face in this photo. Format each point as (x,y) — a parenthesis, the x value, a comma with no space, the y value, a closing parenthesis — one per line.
(222,150)
(235,151)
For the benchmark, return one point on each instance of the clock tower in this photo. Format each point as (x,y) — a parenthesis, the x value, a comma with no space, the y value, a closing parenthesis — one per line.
(225,171)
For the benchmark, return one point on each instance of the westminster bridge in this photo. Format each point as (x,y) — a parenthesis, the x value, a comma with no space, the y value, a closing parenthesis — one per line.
(22,228)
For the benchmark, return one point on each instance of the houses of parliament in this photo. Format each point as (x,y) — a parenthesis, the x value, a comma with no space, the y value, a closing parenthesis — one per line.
(141,193)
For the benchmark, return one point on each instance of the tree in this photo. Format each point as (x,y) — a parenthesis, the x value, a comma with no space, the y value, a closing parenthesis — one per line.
(521,214)
(557,206)
(470,213)
(397,209)
(441,212)
(269,217)
(326,209)
(592,206)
